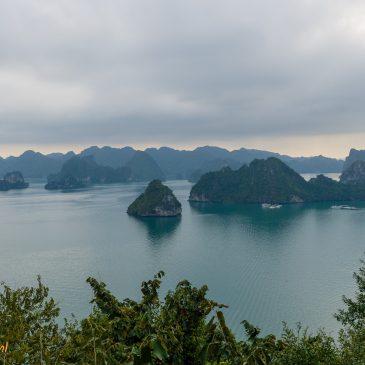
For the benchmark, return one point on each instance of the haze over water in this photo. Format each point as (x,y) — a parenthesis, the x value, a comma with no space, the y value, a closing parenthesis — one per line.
(290,264)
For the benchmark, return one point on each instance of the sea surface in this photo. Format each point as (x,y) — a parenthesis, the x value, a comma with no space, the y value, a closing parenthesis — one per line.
(268,265)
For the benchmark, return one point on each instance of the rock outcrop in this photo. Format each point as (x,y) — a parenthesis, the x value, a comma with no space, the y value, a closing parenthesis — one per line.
(13,180)
(157,201)
(355,174)
(354,155)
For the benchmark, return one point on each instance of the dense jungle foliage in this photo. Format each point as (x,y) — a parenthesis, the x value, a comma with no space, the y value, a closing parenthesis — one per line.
(184,328)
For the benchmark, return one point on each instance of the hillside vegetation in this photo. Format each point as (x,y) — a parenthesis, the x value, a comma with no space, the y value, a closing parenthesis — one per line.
(270,181)
(184,328)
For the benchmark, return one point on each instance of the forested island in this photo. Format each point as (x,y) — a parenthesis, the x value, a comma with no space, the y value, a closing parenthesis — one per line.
(272,181)
(157,201)
(80,172)
(13,180)
(186,327)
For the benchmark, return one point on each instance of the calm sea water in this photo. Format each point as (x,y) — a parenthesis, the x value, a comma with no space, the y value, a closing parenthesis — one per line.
(290,264)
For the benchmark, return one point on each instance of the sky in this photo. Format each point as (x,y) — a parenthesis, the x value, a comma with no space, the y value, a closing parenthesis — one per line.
(283,75)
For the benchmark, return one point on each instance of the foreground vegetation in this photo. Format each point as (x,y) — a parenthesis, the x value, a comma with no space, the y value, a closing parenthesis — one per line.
(185,328)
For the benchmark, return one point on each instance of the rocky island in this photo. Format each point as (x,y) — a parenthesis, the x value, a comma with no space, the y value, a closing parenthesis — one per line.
(79,172)
(157,201)
(354,174)
(13,180)
(271,181)
(82,171)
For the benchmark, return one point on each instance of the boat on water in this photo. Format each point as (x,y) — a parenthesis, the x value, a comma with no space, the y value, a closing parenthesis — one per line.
(344,207)
(271,206)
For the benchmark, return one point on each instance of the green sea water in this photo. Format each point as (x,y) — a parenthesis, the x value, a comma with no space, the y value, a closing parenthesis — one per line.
(268,265)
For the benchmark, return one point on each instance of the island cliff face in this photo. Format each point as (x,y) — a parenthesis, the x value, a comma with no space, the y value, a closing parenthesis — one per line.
(354,155)
(157,201)
(270,181)
(354,174)
(13,180)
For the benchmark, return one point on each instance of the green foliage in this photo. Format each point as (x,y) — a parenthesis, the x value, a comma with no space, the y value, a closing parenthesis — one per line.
(354,314)
(28,325)
(302,348)
(352,336)
(259,351)
(147,331)
(184,328)
(270,181)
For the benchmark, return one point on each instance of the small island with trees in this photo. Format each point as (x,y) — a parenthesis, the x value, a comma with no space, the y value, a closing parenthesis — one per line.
(157,201)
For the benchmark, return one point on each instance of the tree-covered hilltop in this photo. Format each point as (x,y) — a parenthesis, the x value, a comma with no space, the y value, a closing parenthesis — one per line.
(186,327)
(79,172)
(270,181)
(157,201)
(13,180)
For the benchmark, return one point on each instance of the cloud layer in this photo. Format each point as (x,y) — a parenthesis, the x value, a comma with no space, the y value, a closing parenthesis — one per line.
(179,72)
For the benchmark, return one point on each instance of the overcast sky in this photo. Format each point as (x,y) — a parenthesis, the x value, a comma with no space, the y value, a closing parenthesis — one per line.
(282,75)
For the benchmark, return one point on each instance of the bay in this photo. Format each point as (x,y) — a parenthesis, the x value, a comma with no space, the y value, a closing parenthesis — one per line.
(290,264)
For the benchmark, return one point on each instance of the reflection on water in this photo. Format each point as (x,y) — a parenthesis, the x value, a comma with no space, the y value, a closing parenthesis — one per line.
(158,229)
(254,217)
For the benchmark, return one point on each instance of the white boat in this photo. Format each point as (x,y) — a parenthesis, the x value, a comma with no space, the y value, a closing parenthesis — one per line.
(345,207)
(275,206)
(271,206)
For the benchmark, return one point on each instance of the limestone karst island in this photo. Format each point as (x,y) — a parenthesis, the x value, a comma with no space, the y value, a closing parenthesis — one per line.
(13,180)
(157,201)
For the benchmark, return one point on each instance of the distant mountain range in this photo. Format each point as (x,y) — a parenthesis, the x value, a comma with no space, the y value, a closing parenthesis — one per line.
(82,171)
(34,164)
(168,162)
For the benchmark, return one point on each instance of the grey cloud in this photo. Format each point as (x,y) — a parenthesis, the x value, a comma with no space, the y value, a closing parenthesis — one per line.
(90,71)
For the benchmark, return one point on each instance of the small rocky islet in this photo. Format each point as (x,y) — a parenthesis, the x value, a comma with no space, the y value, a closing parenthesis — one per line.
(13,180)
(157,200)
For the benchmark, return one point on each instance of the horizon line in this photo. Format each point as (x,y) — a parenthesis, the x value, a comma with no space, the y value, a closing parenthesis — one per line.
(79,150)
